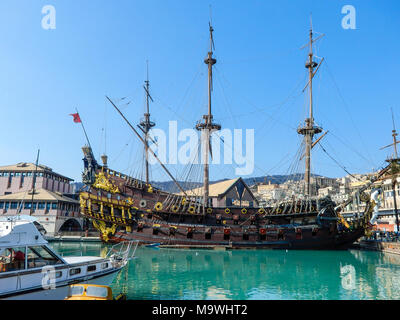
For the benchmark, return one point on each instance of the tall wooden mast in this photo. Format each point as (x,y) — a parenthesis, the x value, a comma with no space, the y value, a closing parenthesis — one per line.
(146,124)
(309,130)
(394,163)
(208,126)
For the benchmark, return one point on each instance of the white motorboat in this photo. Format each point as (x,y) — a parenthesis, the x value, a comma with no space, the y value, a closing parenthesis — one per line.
(31,270)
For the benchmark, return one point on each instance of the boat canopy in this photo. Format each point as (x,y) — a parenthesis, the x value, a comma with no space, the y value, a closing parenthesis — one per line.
(19,233)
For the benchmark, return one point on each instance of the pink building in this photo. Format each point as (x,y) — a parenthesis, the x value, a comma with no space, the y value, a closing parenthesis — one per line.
(54,206)
(19,178)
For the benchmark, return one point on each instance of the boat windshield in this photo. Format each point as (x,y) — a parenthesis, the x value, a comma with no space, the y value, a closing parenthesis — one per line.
(12,259)
(76,291)
(100,292)
(40,256)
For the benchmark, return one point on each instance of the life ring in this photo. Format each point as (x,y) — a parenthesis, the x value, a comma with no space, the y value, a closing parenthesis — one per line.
(278,210)
(209,210)
(227,211)
(243,211)
(261,211)
(183,200)
(158,206)
(191,209)
(142,203)
(175,208)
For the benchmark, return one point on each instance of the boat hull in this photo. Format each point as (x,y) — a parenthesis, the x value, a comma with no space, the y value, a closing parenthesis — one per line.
(61,290)
(324,240)
(124,209)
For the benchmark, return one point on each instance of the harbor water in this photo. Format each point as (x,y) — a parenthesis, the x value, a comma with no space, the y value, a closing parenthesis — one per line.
(176,274)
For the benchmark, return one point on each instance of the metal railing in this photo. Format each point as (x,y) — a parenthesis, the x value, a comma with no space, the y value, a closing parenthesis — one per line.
(122,252)
(77,233)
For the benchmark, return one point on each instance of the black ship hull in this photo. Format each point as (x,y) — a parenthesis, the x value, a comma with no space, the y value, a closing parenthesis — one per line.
(290,239)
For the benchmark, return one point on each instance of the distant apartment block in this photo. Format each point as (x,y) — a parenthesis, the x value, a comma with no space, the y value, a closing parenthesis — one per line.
(339,190)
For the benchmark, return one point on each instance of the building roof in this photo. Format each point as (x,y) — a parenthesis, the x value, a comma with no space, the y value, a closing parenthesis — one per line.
(219,189)
(25,166)
(31,167)
(40,195)
(215,189)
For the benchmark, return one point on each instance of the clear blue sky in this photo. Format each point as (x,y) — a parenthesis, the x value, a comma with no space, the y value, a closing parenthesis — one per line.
(101,47)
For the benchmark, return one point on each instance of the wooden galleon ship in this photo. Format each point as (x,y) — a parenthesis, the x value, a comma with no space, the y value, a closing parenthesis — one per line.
(125,208)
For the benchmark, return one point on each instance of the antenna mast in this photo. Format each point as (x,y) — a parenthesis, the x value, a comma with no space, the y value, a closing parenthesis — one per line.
(309,130)
(146,124)
(34,182)
(394,134)
(394,157)
(208,126)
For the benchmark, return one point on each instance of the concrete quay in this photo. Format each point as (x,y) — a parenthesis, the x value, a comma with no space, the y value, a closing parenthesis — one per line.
(74,237)
(376,245)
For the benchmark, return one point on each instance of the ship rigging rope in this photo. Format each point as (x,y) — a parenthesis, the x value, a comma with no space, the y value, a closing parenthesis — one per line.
(227,103)
(132,163)
(265,109)
(344,168)
(179,105)
(104,131)
(113,161)
(191,170)
(201,66)
(291,94)
(292,172)
(265,56)
(259,110)
(263,171)
(350,147)
(279,105)
(348,112)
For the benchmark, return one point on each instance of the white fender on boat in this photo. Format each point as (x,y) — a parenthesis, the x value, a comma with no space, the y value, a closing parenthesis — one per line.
(375,197)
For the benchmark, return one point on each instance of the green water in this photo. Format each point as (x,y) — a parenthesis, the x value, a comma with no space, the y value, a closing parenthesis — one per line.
(253,274)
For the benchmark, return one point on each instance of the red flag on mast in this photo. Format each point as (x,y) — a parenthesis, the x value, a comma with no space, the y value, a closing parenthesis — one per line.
(77,119)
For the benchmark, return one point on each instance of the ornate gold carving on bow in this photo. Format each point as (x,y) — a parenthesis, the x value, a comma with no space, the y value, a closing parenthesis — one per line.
(82,202)
(103,183)
(129,201)
(105,231)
